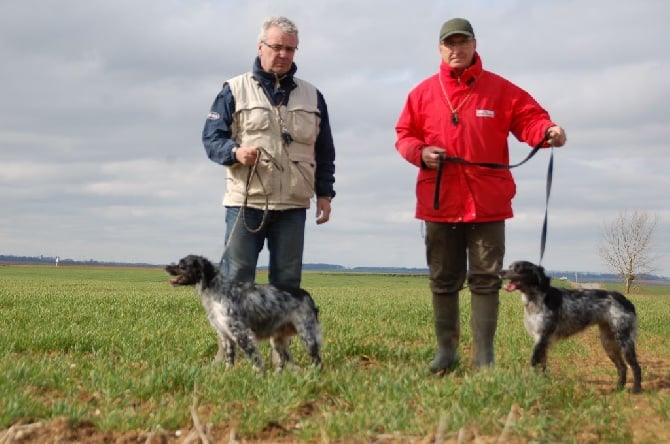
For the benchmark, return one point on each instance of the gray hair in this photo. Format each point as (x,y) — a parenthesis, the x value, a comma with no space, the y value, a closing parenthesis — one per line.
(286,26)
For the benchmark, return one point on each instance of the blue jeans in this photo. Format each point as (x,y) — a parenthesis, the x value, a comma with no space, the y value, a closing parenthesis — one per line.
(285,234)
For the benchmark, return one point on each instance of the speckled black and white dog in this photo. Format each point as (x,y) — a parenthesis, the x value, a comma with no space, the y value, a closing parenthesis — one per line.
(243,313)
(552,314)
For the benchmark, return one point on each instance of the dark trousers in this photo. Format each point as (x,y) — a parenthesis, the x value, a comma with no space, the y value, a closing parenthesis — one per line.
(453,247)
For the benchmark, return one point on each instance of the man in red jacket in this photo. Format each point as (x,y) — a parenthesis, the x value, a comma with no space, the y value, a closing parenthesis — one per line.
(464,111)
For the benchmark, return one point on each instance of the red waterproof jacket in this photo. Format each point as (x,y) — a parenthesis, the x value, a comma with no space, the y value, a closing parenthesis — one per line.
(494,108)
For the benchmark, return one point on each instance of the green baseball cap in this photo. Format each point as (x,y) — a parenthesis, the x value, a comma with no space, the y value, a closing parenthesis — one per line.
(456,26)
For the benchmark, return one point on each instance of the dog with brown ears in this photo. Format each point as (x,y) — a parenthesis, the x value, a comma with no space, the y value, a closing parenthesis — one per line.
(243,313)
(552,313)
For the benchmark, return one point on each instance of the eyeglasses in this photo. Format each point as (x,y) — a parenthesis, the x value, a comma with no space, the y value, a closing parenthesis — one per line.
(280,48)
(458,44)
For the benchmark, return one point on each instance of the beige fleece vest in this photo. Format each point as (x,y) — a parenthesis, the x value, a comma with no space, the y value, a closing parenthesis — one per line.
(285,173)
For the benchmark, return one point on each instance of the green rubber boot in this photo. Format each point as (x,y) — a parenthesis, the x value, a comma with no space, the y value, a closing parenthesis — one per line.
(484,324)
(447,332)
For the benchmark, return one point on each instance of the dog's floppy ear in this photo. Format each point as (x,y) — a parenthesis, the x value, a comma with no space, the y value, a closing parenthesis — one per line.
(208,271)
(542,278)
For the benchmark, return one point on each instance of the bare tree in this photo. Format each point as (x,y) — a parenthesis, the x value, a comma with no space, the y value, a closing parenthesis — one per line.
(626,245)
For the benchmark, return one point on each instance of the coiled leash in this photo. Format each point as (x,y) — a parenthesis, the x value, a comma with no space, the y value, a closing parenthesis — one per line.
(250,175)
(498,166)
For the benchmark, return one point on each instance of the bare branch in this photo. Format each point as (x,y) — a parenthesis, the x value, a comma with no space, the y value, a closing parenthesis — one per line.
(626,245)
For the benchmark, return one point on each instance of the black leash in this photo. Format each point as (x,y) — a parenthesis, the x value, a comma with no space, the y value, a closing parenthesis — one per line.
(498,166)
(550,174)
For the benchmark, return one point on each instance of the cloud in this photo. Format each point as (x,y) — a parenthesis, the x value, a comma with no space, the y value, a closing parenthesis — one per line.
(103,105)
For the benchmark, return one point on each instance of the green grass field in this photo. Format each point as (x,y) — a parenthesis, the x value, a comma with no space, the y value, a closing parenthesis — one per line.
(120,352)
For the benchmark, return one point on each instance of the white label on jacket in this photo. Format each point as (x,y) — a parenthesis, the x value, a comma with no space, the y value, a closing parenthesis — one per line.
(485,113)
(213,116)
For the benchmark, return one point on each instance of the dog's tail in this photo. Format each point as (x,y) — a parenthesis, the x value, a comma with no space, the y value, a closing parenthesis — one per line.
(300,293)
(625,302)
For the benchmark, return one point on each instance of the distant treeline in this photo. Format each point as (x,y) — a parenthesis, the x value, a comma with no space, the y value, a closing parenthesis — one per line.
(566,275)
(52,260)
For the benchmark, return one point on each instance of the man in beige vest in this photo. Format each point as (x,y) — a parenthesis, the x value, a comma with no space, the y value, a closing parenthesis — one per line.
(271,131)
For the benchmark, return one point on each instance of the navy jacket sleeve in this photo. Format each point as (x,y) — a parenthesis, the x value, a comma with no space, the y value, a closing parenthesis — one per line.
(217,133)
(324,151)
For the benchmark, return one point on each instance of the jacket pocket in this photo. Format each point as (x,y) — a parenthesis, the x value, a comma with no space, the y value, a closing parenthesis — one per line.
(450,204)
(301,181)
(252,120)
(492,191)
(260,185)
(304,125)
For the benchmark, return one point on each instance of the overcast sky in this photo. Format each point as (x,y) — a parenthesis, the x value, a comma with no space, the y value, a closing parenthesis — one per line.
(103,104)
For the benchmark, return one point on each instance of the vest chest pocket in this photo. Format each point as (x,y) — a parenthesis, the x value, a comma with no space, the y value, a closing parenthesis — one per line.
(253,120)
(304,125)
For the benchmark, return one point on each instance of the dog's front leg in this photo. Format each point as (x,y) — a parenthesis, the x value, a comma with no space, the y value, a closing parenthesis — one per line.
(543,333)
(539,357)
(220,352)
(226,350)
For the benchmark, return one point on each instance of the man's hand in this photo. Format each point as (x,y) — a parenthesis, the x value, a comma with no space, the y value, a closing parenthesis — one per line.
(322,210)
(430,155)
(556,136)
(246,155)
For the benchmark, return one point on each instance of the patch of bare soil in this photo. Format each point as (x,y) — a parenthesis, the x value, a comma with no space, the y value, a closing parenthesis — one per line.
(646,425)
(60,431)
